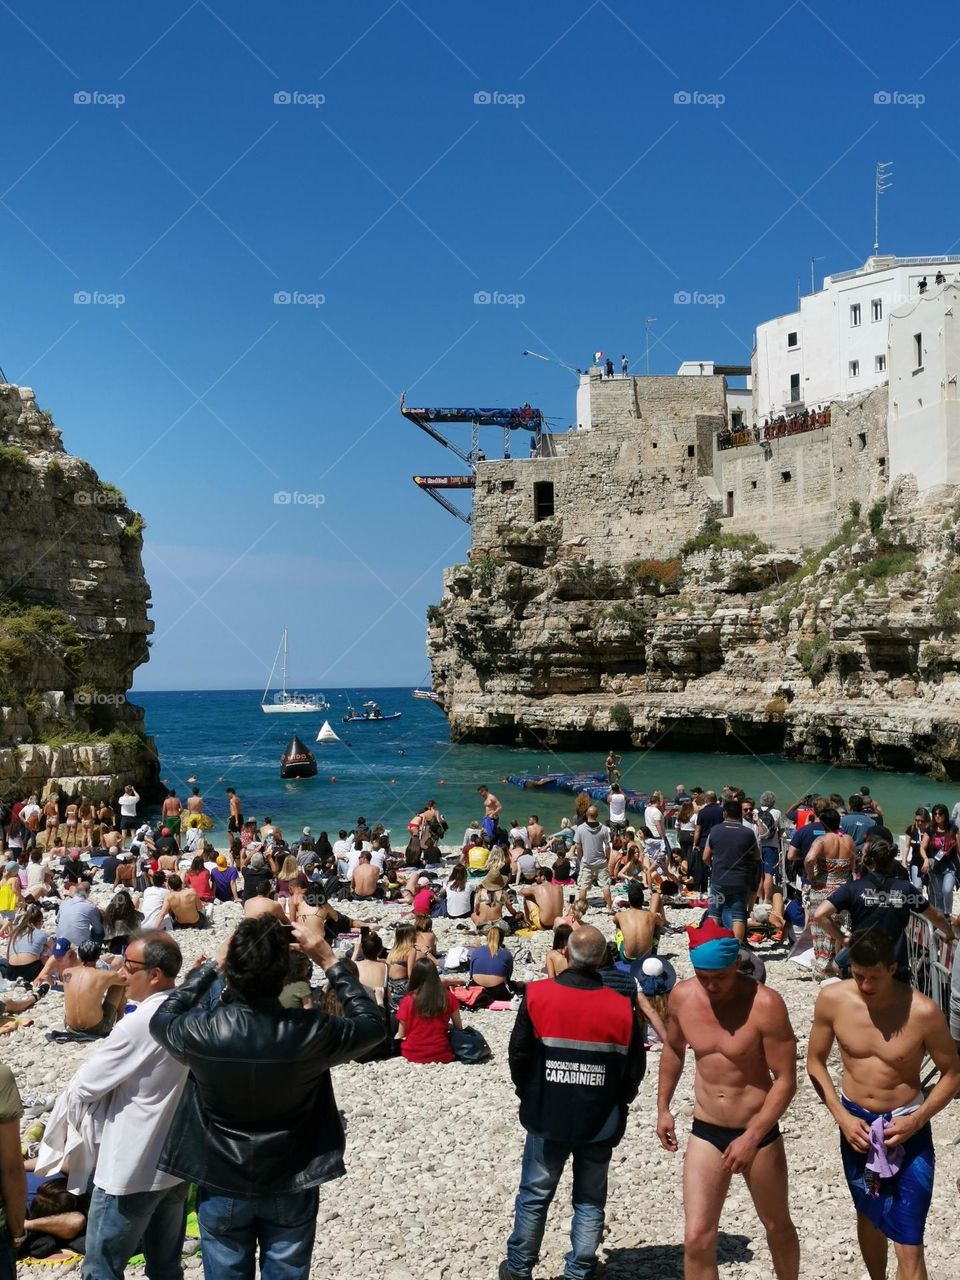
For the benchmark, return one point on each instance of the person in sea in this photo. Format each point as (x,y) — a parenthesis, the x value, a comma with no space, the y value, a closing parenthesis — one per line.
(884,1030)
(746,1076)
(425,1016)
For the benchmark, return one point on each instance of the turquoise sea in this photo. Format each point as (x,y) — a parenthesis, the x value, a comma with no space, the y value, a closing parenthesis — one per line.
(222,738)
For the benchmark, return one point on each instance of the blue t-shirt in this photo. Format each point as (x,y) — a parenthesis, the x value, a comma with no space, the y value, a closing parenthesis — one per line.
(79,921)
(857,825)
(875,902)
(30,944)
(498,966)
(734,860)
(710,816)
(804,836)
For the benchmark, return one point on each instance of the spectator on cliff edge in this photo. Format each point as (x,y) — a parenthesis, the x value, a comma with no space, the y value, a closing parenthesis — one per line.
(624,366)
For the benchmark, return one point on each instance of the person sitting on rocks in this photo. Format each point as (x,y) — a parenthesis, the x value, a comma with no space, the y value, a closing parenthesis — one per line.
(491,964)
(93,998)
(542,903)
(184,905)
(638,928)
(490,902)
(557,960)
(364,883)
(425,1015)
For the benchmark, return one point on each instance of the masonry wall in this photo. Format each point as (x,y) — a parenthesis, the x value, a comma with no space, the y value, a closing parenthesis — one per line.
(631,486)
(795,492)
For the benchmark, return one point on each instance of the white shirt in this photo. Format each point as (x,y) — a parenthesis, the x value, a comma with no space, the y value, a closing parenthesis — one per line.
(459,901)
(519,833)
(354,861)
(342,848)
(140,1086)
(471,836)
(653,820)
(128,805)
(151,904)
(378,858)
(618,807)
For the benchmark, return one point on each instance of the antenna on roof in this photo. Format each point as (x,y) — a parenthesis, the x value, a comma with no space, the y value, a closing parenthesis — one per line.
(884,181)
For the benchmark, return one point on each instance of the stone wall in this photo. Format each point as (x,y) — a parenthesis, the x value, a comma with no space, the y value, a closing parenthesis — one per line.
(796,491)
(629,487)
(73,616)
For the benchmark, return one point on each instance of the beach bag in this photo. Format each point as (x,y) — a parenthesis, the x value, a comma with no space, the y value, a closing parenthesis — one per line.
(469,1045)
(469,997)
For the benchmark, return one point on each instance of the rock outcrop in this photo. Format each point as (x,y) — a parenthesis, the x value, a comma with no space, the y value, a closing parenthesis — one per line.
(73,618)
(849,654)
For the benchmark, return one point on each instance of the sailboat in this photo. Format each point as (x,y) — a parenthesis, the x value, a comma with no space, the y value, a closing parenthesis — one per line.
(289,702)
(327,734)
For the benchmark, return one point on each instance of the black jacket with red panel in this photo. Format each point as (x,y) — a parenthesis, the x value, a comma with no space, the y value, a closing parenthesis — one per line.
(576,1058)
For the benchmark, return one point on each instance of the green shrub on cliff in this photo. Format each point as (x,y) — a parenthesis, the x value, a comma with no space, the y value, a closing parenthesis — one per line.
(120,741)
(890,565)
(13,458)
(136,525)
(946,606)
(814,656)
(34,630)
(621,717)
(113,494)
(713,540)
(875,516)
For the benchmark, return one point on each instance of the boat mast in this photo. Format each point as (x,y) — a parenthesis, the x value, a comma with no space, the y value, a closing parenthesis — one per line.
(284,662)
(270,677)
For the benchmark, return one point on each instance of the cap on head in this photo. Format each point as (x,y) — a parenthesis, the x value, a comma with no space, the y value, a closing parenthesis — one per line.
(61,947)
(712,946)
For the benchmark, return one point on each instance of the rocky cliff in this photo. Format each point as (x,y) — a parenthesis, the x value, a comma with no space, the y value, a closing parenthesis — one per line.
(849,654)
(73,618)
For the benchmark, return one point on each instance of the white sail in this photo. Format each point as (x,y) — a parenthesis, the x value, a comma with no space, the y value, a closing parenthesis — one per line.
(326,734)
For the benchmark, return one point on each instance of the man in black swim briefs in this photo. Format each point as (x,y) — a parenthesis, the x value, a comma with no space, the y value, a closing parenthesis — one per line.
(746,1076)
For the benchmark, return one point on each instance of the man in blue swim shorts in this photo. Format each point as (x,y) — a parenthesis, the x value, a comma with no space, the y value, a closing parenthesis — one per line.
(883,1029)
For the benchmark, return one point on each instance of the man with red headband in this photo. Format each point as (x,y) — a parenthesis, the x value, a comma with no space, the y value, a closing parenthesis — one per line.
(746,1075)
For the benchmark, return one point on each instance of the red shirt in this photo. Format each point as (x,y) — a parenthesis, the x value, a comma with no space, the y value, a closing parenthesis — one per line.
(422,902)
(427,1039)
(199,882)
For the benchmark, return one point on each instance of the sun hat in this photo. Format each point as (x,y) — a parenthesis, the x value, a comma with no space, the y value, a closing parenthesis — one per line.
(306,831)
(655,975)
(493,881)
(221,862)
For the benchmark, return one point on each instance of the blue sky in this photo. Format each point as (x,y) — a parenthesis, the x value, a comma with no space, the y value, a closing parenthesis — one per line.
(590,191)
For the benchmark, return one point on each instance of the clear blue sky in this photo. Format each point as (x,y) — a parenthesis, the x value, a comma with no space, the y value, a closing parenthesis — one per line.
(397,199)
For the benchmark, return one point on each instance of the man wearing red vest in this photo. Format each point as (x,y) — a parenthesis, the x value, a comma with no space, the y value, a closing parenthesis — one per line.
(576,1059)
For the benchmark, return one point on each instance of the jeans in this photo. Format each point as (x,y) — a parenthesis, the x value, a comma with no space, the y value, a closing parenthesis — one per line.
(281,1227)
(120,1226)
(540,1172)
(941,889)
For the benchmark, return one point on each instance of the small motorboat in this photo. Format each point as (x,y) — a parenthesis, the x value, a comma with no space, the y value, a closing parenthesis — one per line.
(298,761)
(371,714)
(326,733)
(428,695)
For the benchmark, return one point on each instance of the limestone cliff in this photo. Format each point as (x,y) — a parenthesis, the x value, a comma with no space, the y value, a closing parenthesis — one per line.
(849,654)
(73,618)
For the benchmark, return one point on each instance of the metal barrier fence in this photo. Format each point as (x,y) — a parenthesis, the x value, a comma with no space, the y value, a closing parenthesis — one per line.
(930,957)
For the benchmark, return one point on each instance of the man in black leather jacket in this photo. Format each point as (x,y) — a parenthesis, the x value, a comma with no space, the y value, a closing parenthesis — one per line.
(257,1127)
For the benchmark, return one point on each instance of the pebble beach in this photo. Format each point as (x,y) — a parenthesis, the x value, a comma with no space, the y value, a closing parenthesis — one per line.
(433,1151)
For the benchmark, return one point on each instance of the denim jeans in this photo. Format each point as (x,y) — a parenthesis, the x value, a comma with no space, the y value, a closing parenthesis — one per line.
(281,1228)
(540,1172)
(728,905)
(120,1226)
(941,889)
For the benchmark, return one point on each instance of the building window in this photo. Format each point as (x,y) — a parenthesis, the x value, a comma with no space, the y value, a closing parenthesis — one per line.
(876,309)
(880,364)
(791,339)
(854,368)
(691,451)
(507,486)
(918,350)
(862,440)
(855,315)
(794,388)
(543,500)
(729,502)
(786,477)
(753,484)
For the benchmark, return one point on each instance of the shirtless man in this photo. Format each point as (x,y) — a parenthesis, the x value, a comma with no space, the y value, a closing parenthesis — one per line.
(491,810)
(184,905)
(261,904)
(543,901)
(93,998)
(363,882)
(637,928)
(170,812)
(746,1075)
(884,1028)
(195,801)
(535,832)
(235,821)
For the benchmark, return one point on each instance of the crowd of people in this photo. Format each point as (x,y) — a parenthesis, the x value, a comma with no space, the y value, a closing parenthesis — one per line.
(776,428)
(93,916)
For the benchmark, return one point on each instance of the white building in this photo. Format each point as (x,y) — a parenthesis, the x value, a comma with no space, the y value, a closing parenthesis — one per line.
(836,344)
(923,416)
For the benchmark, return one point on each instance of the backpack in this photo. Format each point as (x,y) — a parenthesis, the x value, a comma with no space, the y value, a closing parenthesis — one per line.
(468,1045)
(767,824)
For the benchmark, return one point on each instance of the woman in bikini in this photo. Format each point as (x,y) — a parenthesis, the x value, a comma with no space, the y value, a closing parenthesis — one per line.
(51,821)
(85,814)
(70,822)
